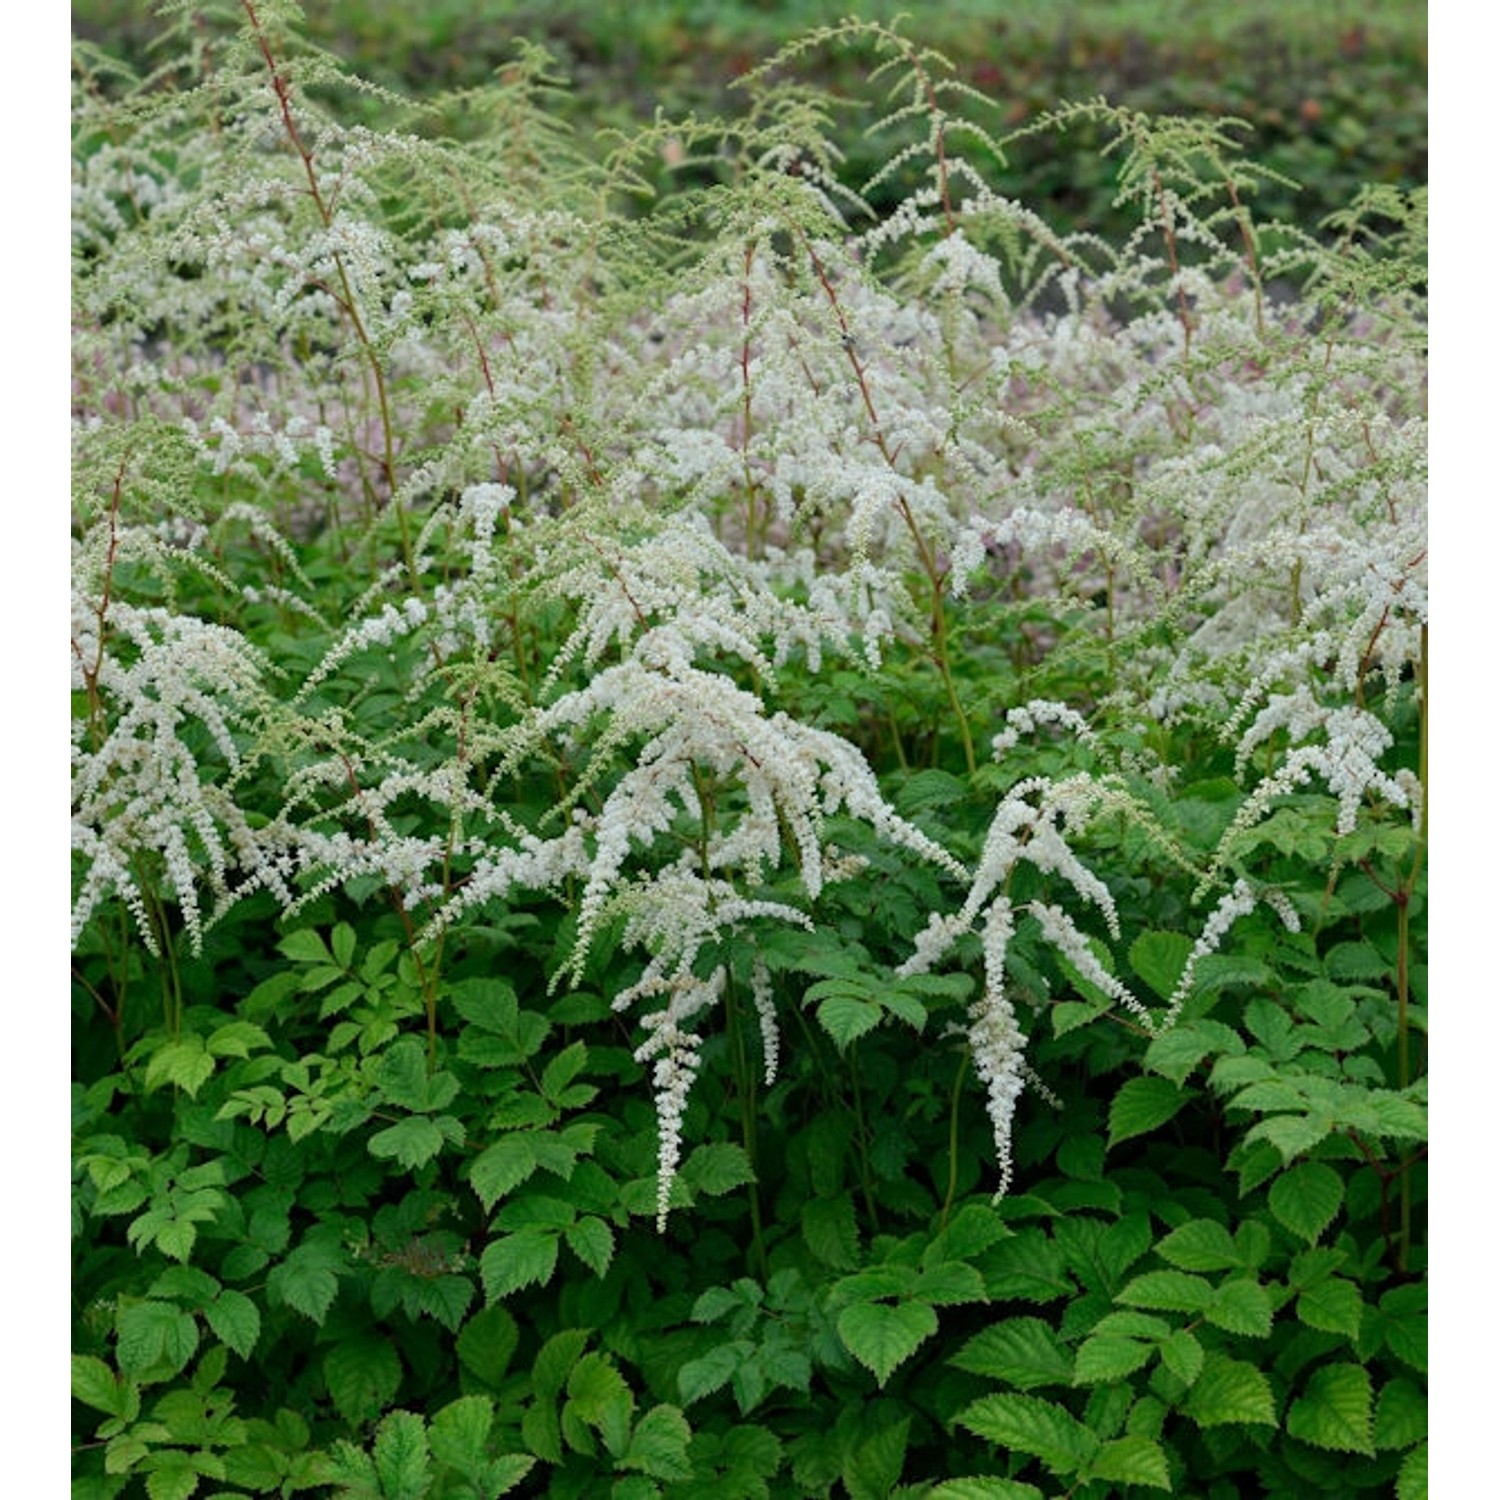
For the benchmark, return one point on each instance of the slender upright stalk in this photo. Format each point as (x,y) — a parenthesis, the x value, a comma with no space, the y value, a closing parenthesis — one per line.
(862,1141)
(926,558)
(746,1092)
(959,1075)
(346,298)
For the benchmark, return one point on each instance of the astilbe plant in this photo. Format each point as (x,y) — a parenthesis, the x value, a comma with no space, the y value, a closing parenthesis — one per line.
(453,528)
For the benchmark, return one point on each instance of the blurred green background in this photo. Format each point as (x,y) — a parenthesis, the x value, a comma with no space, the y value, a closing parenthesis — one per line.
(1335,92)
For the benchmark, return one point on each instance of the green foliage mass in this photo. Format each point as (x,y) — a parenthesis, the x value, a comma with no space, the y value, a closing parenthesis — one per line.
(744,825)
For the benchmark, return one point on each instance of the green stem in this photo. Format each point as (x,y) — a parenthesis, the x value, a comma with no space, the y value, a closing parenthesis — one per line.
(862,1141)
(347,300)
(745,1088)
(925,555)
(958,1081)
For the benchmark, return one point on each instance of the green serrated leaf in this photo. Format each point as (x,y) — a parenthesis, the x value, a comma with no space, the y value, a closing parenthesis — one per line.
(599,1396)
(1268,1022)
(305,947)
(501,1475)
(1335,1411)
(175,1475)
(501,1168)
(94,1384)
(237,1039)
(592,1241)
(828,1230)
(1306,1197)
(353,1471)
(1182,1354)
(176,1238)
(717,1168)
(235,1320)
(363,1374)
(635,1487)
(1131,1460)
(1200,1245)
(1167,1291)
(1106,1357)
(152,1333)
(1133,1325)
(785,1365)
(563,1069)
(1356,961)
(402,1461)
(931,788)
(1411,1480)
(342,941)
(1028,1424)
(490,1004)
(459,1432)
(970,1232)
(1175,1053)
(873,1468)
(486,1344)
(1141,1105)
(1403,1314)
(307,1280)
(1270,1094)
(984,1489)
(1291,1134)
(1229,1390)
(526,1258)
(402,1074)
(1029,1267)
(883,1335)
(1400,1414)
(1255,1163)
(949,1283)
(905,1006)
(1332,1306)
(1222,971)
(1396,1117)
(720,1301)
(702,1377)
(749,1383)
(185,1063)
(1023,1352)
(659,1445)
(549,1371)
(411,1142)
(847,1017)
(1241,1306)
(1159,958)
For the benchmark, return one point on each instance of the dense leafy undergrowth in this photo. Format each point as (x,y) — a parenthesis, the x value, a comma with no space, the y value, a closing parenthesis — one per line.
(726,846)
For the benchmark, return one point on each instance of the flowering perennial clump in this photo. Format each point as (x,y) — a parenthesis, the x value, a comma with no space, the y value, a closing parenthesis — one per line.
(659,533)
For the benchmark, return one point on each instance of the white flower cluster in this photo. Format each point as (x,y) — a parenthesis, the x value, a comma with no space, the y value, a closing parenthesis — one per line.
(1027,718)
(673,1053)
(1059,930)
(154,815)
(1034,832)
(675,914)
(390,624)
(996,1040)
(1353,740)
